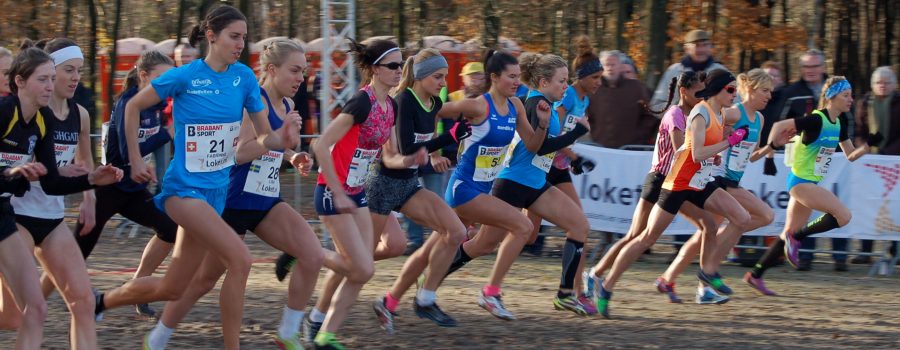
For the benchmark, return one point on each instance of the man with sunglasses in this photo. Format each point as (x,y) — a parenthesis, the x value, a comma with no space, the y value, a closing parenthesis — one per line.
(698,56)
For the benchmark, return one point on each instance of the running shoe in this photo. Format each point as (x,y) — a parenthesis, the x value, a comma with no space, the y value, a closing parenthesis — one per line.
(330,344)
(714,281)
(602,300)
(709,296)
(667,288)
(434,313)
(385,316)
(310,329)
(494,305)
(569,303)
(284,265)
(590,283)
(792,250)
(291,343)
(758,284)
(146,344)
(144,310)
(588,304)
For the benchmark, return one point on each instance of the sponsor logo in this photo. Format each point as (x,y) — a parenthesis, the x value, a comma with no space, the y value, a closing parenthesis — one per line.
(237,81)
(201,83)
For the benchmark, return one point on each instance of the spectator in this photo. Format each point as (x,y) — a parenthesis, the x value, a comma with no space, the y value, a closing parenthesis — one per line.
(629,70)
(6,59)
(698,49)
(774,70)
(184,54)
(879,112)
(473,82)
(617,111)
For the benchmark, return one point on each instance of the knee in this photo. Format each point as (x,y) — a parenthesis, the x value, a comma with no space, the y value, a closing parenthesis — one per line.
(395,247)
(766,218)
(740,218)
(35,313)
(169,293)
(843,217)
(579,229)
(81,301)
(522,228)
(361,274)
(457,235)
(311,261)
(240,263)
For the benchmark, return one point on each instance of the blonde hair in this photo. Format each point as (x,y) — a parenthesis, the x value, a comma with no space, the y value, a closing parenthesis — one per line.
(408,78)
(752,80)
(4,52)
(828,83)
(276,53)
(537,66)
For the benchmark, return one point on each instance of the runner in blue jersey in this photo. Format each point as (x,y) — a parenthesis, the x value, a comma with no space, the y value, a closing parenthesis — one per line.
(254,201)
(210,96)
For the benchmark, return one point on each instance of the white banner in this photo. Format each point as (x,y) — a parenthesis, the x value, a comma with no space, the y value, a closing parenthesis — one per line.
(610,193)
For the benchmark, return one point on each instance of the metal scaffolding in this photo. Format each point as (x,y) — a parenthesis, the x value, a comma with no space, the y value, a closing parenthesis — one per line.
(338,23)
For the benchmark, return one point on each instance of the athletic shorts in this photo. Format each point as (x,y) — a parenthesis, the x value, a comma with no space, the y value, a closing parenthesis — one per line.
(461,191)
(7,219)
(652,186)
(671,201)
(794,180)
(516,194)
(39,228)
(386,194)
(558,176)
(215,197)
(243,220)
(325,202)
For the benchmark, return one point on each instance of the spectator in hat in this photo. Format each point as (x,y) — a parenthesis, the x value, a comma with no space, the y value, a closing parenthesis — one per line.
(473,82)
(698,50)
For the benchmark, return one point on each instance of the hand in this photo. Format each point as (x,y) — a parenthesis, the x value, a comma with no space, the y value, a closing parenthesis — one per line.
(418,158)
(141,173)
(717,160)
(769,167)
(31,171)
(86,216)
(72,170)
(584,122)
(302,162)
(105,175)
(461,129)
(739,134)
(290,130)
(343,204)
(874,139)
(440,164)
(785,137)
(543,113)
(582,164)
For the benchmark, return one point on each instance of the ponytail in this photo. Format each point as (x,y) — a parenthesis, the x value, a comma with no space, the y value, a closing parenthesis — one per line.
(407,80)
(148,60)
(672,87)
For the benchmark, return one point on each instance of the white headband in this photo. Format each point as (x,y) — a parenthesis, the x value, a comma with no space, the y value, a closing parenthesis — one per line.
(65,54)
(385,54)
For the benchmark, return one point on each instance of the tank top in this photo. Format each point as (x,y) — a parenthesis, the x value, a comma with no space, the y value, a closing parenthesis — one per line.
(526,167)
(663,149)
(255,185)
(811,162)
(686,174)
(35,202)
(575,110)
(735,158)
(482,155)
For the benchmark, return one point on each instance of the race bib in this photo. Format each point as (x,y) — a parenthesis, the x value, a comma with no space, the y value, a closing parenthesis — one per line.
(488,163)
(543,162)
(419,139)
(262,178)
(823,161)
(569,125)
(703,176)
(143,135)
(210,147)
(739,154)
(104,135)
(65,154)
(13,160)
(363,160)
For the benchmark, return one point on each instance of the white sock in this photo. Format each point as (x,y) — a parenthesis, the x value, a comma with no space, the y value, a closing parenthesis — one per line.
(290,322)
(316,316)
(425,297)
(159,336)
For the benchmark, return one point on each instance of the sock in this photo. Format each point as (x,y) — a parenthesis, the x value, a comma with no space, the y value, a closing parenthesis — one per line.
(316,316)
(159,336)
(323,338)
(425,297)
(460,260)
(560,294)
(821,224)
(99,307)
(571,257)
(390,302)
(290,322)
(593,272)
(490,291)
(776,251)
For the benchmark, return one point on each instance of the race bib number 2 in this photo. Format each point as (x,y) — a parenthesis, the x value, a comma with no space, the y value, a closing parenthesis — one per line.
(823,161)
(210,147)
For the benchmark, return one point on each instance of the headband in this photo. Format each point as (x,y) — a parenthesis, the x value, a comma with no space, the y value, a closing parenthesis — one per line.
(836,88)
(428,66)
(588,68)
(715,82)
(385,54)
(65,54)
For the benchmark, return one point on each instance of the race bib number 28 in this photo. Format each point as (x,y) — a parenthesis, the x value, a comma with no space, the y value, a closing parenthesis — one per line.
(210,147)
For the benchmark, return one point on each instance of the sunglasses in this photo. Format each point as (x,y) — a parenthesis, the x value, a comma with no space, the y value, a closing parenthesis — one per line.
(392,65)
(730,89)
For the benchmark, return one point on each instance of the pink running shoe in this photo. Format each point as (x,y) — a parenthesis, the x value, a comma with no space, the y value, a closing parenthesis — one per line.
(758,284)
(668,289)
(588,305)
(792,250)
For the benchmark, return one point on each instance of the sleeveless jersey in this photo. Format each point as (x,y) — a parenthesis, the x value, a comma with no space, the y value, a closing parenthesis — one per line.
(575,110)
(686,174)
(526,167)
(811,162)
(483,154)
(255,185)
(735,158)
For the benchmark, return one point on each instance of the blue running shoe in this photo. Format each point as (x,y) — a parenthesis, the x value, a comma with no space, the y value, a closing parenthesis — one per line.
(709,296)
(714,281)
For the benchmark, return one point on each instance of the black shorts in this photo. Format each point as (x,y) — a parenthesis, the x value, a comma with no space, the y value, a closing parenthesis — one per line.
(386,194)
(671,201)
(7,219)
(39,228)
(558,176)
(516,194)
(726,183)
(652,187)
(242,220)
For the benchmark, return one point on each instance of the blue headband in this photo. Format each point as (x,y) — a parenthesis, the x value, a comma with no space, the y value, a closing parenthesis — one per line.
(588,68)
(429,66)
(836,88)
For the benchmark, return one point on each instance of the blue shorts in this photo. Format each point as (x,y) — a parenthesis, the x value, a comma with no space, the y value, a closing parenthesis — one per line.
(215,197)
(325,203)
(794,180)
(461,191)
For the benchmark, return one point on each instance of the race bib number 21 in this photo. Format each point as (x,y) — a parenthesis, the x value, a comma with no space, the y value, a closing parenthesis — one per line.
(210,147)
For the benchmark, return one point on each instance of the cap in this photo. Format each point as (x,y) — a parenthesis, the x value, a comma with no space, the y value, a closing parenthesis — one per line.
(696,35)
(715,82)
(472,67)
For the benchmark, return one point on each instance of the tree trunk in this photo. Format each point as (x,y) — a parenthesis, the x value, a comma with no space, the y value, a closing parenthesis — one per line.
(246,9)
(785,59)
(817,41)
(292,19)
(491,35)
(67,28)
(113,54)
(92,50)
(626,7)
(179,27)
(400,21)
(424,30)
(656,56)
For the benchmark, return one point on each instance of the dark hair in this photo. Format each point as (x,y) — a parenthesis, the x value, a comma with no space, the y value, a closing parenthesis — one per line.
(25,63)
(53,45)
(216,19)
(148,60)
(686,79)
(494,63)
(584,51)
(364,55)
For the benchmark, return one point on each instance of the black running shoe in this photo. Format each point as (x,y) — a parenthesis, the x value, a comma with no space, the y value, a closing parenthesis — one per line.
(144,310)
(284,265)
(310,329)
(435,314)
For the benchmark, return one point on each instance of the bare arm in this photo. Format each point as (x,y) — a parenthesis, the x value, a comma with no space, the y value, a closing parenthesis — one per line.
(698,138)
(852,152)
(336,130)
(248,148)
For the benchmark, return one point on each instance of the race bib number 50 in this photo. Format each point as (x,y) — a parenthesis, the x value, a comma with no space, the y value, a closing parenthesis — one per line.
(210,147)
